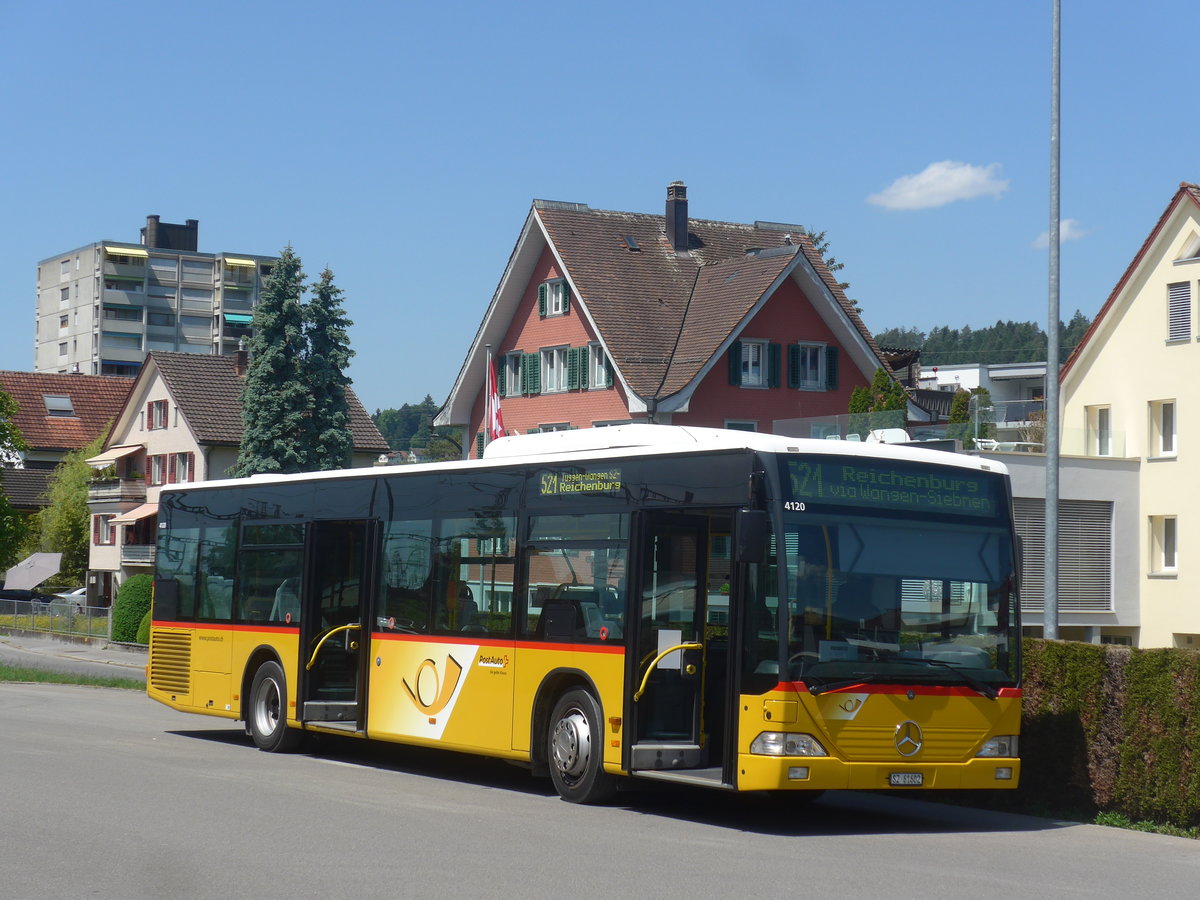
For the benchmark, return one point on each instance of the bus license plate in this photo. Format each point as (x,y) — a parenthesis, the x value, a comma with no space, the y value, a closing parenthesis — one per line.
(906,779)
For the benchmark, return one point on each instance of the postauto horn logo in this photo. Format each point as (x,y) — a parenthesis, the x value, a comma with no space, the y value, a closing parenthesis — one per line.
(433,690)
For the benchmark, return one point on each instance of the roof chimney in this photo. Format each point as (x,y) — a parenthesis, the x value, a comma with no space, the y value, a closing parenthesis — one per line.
(677,216)
(241,359)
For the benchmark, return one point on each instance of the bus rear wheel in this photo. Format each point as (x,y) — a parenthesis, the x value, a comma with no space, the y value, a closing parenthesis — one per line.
(267,717)
(575,749)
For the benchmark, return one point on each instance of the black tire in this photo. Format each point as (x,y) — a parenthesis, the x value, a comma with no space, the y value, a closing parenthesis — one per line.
(575,749)
(266,716)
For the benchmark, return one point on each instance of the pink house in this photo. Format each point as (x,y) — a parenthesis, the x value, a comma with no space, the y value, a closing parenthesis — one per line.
(606,317)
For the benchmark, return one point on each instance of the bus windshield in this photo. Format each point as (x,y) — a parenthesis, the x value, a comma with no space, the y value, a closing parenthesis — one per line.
(884,594)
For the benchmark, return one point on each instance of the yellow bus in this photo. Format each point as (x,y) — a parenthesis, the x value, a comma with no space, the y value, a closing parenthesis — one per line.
(719,608)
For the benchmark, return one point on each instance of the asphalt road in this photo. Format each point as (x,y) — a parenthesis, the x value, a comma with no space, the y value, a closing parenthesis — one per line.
(109,795)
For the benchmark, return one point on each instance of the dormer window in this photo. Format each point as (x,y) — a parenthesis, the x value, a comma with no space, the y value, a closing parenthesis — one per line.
(58,406)
(554,297)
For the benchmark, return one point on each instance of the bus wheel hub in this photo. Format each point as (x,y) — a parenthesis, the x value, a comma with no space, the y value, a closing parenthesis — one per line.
(572,744)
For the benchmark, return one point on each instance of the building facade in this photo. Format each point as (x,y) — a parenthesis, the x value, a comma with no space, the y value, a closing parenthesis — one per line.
(182,422)
(1129,391)
(103,306)
(605,317)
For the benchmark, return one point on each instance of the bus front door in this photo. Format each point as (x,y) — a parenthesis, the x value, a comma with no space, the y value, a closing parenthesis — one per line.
(667,668)
(335,633)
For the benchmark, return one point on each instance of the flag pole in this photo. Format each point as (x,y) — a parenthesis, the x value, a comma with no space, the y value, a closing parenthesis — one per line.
(487,395)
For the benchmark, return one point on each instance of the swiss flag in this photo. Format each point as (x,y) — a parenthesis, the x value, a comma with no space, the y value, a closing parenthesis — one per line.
(493,419)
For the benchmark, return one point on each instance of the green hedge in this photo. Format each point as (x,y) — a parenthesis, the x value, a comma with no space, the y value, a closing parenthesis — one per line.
(131,606)
(1112,730)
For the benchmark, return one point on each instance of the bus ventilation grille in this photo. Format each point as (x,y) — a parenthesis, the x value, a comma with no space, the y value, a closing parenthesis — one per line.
(171,662)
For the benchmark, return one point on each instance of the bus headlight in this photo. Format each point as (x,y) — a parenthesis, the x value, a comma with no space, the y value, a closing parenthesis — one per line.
(1001,745)
(782,743)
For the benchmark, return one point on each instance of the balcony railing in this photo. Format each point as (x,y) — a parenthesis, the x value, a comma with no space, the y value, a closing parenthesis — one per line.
(121,489)
(137,554)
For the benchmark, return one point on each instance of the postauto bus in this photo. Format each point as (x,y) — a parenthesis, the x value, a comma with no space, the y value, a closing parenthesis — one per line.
(733,610)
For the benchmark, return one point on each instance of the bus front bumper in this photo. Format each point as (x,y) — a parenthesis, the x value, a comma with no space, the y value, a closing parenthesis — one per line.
(818,773)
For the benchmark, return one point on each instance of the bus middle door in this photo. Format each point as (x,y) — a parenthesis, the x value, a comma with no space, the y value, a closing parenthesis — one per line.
(335,632)
(666,668)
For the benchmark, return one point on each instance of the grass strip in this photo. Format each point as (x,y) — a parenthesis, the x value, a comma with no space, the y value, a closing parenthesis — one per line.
(26,673)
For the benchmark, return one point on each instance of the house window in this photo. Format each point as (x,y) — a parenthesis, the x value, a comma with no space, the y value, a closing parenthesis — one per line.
(1164,545)
(64,295)
(554,298)
(181,467)
(160,318)
(119,340)
(1085,553)
(741,425)
(806,366)
(599,371)
(64,268)
(1179,311)
(1099,426)
(123,313)
(64,321)
(1162,428)
(157,469)
(156,414)
(754,363)
(62,349)
(511,382)
(103,533)
(554,369)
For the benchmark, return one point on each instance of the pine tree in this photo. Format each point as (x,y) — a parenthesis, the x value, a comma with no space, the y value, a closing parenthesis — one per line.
(276,399)
(328,355)
(13,526)
(821,245)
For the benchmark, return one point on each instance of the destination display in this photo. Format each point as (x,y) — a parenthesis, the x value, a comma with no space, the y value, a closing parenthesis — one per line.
(573,483)
(877,484)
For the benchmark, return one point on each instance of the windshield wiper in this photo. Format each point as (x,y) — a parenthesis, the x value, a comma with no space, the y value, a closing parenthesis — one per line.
(863,678)
(980,687)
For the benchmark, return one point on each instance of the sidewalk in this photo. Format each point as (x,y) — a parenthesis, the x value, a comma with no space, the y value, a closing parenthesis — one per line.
(129,661)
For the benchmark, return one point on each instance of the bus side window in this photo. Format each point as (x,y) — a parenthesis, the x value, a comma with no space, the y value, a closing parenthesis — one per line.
(406,577)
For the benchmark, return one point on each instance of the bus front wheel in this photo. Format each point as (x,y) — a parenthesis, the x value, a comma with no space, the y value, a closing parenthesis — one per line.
(267,718)
(575,749)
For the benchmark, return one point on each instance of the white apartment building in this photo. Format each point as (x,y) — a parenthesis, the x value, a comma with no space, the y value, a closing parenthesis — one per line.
(103,306)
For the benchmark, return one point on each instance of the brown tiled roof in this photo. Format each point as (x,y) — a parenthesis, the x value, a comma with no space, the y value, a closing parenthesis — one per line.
(96,400)
(208,392)
(25,488)
(662,315)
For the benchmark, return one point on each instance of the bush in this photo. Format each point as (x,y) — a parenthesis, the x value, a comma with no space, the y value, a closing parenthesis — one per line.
(143,635)
(133,602)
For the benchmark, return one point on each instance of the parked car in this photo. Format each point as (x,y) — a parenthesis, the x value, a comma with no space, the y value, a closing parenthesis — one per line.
(79,595)
(26,594)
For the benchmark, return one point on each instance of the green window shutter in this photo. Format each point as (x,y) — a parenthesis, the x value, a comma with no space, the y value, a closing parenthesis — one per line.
(573,367)
(501,377)
(533,373)
(478,444)
(773,354)
(735,362)
(542,299)
(793,366)
(566,296)
(608,372)
(831,368)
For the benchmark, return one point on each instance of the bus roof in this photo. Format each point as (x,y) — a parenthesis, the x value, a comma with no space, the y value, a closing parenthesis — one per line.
(630,441)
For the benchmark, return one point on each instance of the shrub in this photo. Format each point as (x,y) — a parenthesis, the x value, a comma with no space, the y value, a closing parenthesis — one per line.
(133,602)
(143,635)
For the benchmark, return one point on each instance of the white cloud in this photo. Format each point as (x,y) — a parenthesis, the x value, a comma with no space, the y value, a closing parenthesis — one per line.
(941,183)
(1068,230)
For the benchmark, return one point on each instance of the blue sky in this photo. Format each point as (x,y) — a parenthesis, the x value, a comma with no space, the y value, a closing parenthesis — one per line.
(402,144)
